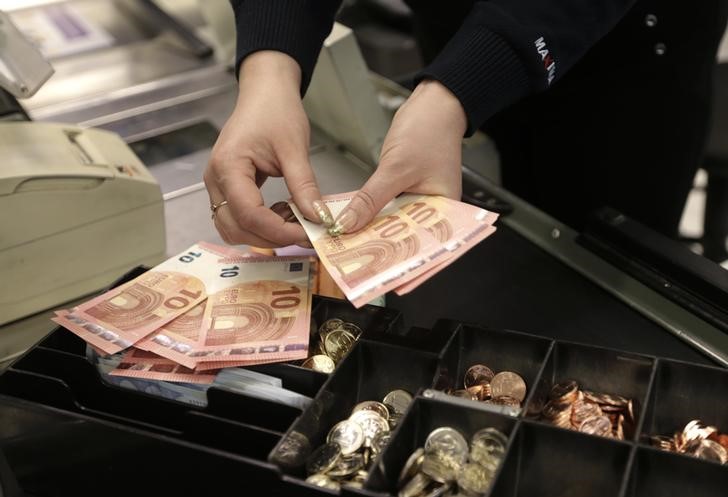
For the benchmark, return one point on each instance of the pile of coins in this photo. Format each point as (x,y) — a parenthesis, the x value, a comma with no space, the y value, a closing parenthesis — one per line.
(594,413)
(330,343)
(353,444)
(446,465)
(698,440)
(481,383)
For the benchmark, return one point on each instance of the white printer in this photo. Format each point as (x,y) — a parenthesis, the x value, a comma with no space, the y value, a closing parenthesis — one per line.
(77,210)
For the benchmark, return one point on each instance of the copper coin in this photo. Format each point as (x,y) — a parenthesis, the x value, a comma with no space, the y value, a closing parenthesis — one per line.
(603,398)
(478,391)
(565,391)
(711,451)
(509,384)
(553,410)
(583,411)
(723,440)
(505,400)
(464,394)
(477,375)
(596,425)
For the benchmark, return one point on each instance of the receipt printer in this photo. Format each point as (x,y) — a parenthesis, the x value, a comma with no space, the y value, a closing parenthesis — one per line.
(77,210)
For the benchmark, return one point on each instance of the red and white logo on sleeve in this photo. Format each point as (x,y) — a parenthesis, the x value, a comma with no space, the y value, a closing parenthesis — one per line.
(549,64)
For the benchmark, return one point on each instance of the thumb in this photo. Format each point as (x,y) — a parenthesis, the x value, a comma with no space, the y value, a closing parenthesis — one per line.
(368,202)
(302,185)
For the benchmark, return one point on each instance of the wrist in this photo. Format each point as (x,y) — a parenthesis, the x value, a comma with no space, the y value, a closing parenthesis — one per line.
(439,99)
(270,69)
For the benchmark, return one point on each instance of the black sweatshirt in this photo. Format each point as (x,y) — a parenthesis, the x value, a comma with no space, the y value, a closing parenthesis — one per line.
(503,51)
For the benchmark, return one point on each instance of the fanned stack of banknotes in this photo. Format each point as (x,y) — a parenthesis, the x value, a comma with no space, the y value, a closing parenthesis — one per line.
(412,239)
(211,307)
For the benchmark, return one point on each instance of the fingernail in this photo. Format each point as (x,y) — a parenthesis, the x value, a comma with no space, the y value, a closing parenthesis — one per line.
(345,222)
(323,212)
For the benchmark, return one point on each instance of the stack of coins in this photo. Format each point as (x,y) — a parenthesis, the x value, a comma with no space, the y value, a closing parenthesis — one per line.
(446,465)
(353,444)
(698,440)
(330,343)
(594,413)
(482,384)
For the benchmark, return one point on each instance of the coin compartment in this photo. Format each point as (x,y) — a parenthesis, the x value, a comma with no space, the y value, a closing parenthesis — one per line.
(550,462)
(368,372)
(683,392)
(51,452)
(655,473)
(500,350)
(71,382)
(373,320)
(424,416)
(597,369)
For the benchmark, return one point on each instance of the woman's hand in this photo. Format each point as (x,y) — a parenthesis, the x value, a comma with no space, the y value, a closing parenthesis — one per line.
(422,153)
(266,135)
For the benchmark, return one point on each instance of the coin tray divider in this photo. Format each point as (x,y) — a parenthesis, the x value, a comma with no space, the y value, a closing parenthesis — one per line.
(548,461)
(368,372)
(598,369)
(656,473)
(70,454)
(500,350)
(424,416)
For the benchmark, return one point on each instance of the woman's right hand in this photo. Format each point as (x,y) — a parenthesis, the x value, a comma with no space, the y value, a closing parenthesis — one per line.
(267,135)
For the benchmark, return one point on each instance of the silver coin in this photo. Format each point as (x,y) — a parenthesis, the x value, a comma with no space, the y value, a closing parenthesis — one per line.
(448,442)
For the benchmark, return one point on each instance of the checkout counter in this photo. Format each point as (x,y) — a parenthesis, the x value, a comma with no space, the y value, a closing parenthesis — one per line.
(615,285)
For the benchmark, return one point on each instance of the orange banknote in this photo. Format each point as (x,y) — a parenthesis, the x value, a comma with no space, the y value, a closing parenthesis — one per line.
(261,314)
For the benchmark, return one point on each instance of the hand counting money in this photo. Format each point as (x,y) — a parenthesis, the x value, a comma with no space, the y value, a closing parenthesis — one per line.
(409,241)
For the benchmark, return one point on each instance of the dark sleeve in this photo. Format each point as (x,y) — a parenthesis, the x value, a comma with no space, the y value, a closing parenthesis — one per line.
(295,27)
(507,49)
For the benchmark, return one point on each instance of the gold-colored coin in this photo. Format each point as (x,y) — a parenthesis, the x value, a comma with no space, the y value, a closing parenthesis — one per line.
(320,363)
(412,466)
(415,486)
(371,424)
(324,458)
(478,374)
(438,468)
(397,401)
(347,466)
(486,444)
(474,479)
(330,325)
(353,329)
(372,405)
(348,434)
(338,343)
(380,441)
(509,384)
(449,443)
(321,480)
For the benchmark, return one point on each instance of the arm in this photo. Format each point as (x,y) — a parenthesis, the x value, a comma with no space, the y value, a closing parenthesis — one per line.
(508,49)
(297,28)
(504,51)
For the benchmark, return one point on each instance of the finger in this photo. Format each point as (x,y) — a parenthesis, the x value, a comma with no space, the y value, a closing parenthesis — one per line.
(246,207)
(301,182)
(373,196)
